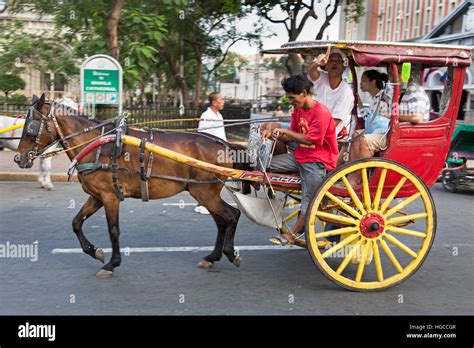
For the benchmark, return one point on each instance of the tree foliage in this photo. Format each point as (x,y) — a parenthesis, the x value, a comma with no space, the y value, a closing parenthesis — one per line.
(233,62)
(10,83)
(297,14)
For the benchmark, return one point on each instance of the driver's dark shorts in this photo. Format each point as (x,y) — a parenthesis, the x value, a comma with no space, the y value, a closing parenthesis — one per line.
(312,175)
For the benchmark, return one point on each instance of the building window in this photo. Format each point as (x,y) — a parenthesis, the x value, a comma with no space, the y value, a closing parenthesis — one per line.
(452,5)
(406,23)
(398,20)
(416,24)
(439,11)
(380,22)
(388,28)
(379,31)
(428,13)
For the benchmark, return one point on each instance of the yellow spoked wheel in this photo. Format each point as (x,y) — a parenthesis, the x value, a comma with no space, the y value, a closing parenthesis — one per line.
(375,244)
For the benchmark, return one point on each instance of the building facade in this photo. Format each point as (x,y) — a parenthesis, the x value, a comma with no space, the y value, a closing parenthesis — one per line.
(255,81)
(36,81)
(398,20)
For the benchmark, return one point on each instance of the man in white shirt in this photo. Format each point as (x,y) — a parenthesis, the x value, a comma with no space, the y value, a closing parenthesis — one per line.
(331,90)
(212,122)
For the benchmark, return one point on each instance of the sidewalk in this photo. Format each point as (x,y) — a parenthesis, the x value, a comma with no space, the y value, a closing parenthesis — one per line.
(9,170)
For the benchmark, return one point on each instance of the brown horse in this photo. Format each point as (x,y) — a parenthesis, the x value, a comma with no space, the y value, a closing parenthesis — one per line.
(51,126)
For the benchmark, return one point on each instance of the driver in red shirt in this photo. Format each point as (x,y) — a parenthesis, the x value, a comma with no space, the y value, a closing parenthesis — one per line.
(313,128)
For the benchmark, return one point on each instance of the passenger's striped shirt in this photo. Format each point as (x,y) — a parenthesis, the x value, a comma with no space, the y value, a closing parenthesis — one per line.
(414,101)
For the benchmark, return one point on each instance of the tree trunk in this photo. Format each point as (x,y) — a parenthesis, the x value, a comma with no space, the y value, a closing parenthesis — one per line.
(198,84)
(142,93)
(180,81)
(112,28)
(293,64)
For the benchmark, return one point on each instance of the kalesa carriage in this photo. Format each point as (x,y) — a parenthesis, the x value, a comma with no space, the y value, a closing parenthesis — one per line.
(386,224)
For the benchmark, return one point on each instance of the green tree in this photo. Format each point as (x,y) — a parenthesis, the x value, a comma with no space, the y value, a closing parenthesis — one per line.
(232,63)
(273,63)
(129,31)
(298,12)
(19,50)
(207,30)
(10,83)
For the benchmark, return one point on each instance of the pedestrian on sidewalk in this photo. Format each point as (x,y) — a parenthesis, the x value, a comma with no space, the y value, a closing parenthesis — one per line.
(212,122)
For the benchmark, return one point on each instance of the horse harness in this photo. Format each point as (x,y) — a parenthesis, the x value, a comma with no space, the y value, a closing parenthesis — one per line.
(35,128)
(146,165)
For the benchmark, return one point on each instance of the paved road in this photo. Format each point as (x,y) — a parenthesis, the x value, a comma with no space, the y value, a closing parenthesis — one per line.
(168,282)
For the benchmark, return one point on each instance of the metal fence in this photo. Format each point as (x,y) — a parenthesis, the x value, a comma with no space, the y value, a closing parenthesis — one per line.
(156,117)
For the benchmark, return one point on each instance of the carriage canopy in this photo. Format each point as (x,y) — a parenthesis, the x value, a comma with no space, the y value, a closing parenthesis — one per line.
(372,53)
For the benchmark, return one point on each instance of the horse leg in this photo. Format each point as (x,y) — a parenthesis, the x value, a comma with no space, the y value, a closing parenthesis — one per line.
(226,218)
(216,254)
(45,173)
(88,209)
(111,206)
(41,174)
(232,216)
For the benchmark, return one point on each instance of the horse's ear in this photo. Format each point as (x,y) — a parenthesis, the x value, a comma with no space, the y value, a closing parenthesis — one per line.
(34,99)
(40,102)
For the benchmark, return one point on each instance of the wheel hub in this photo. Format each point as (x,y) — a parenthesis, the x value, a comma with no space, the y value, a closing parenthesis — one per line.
(372,225)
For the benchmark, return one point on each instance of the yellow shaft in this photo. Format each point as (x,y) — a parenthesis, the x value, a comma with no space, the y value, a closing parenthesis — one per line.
(9,128)
(175,156)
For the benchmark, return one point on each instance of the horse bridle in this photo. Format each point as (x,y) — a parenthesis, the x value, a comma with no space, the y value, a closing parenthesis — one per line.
(35,128)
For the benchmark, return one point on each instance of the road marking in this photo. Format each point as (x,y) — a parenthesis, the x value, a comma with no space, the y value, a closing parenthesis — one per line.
(174,249)
(185,204)
(203,248)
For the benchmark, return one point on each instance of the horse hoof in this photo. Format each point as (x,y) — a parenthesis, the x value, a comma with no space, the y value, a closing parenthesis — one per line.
(99,255)
(237,261)
(103,274)
(205,264)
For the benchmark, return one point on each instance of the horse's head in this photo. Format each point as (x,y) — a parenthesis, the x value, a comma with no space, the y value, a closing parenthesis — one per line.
(39,131)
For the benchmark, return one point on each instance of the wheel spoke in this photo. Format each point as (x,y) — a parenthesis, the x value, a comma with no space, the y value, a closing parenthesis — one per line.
(404,218)
(348,258)
(339,245)
(365,184)
(392,194)
(391,256)
(337,218)
(291,216)
(353,195)
(378,194)
(378,264)
(339,231)
(399,244)
(406,232)
(402,205)
(360,269)
(343,205)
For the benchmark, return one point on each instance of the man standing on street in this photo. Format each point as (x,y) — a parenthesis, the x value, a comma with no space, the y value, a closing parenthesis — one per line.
(211,122)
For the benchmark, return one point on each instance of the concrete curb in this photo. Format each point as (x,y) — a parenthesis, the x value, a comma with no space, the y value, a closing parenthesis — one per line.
(18,176)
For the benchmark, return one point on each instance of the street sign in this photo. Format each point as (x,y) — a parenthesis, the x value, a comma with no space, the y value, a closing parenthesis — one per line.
(101,81)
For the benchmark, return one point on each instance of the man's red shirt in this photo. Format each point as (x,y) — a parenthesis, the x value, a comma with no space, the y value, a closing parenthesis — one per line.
(317,125)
